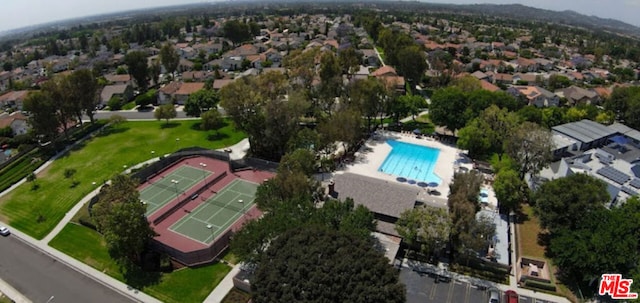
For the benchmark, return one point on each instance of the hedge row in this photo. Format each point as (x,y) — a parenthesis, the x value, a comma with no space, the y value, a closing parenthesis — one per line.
(540,285)
(20,168)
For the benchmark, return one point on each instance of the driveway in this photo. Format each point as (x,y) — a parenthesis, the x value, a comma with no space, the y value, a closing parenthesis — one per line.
(41,278)
(424,288)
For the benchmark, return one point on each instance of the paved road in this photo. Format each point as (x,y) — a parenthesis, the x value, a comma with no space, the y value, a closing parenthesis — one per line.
(39,277)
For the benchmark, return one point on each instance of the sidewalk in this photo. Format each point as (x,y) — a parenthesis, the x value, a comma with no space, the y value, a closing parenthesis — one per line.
(224,287)
(12,293)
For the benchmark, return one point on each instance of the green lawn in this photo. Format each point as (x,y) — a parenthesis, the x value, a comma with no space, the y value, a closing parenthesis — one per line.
(97,160)
(184,285)
(381,52)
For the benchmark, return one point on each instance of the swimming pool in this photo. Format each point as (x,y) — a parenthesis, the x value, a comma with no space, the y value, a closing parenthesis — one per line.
(413,162)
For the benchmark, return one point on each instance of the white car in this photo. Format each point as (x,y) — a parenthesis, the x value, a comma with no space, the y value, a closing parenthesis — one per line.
(494,296)
(4,231)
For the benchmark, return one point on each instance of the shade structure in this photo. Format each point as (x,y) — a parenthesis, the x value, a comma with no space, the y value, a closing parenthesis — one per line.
(411,181)
(401,179)
(423,184)
(417,131)
(433,184)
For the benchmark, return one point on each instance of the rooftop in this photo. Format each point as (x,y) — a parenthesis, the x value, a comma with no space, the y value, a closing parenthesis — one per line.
(379,196)
(584,130)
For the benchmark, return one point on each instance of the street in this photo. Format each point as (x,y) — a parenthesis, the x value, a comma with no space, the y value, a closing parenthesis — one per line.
(43,279)
(132,115)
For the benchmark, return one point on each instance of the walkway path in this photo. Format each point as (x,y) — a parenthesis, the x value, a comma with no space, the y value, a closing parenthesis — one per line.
(224,287)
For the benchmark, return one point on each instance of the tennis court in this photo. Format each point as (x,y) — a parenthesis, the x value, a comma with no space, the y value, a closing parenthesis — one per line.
(166,189)
(218,213)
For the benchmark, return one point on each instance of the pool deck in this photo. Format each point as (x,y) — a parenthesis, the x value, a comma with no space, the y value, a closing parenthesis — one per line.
(375,150)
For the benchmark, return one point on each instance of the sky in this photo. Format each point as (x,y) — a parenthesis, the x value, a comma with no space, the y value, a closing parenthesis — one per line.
(20,13)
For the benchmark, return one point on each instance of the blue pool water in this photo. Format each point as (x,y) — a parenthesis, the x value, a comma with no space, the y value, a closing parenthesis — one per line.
(411,161)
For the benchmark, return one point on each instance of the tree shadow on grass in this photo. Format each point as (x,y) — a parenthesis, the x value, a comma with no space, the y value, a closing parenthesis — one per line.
(217,136)
(169,125)
(196,126)
(138,278)
(110,130)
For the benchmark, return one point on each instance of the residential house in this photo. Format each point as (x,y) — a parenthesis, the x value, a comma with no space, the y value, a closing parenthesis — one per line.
(16,121)
(124,91)
(480,76)
(525,65)
(244,50)
(503,78)
(389,76)
(196,76)
(488,86)
(166,93)
(529,78)
(186,89)
(13,99)
(118,79)
(274,56)
(187,52)
(185,65)
(220,83)
(5,79)
(534,95)
(577,95)
(544,64)
(370,58)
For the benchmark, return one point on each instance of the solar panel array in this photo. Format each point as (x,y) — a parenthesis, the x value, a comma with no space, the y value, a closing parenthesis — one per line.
(629,191)
(614,174)
(635,183)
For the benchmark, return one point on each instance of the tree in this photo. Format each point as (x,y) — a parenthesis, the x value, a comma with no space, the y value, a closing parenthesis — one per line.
(565,202)
(154,72)
(307,261)
(486,134)
(349,60)
(530,147)
(446,106)
(166,111)
(200,101)
(427,228)
(463,206)
(605,241)
(412,63)
(369,97)
(302,160)
(83,88)
(210,119)
(169,58)
(120,218)
(236,31)
(40,106)
(510,190)
(136,62)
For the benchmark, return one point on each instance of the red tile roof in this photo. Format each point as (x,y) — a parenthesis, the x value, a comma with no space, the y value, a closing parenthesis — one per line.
(189,88)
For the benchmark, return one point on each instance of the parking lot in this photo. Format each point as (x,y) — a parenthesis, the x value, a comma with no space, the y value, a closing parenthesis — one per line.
(422,287)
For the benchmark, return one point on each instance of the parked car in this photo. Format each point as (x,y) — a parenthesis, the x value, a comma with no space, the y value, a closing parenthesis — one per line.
(4,231)
(510,296)
(494,296)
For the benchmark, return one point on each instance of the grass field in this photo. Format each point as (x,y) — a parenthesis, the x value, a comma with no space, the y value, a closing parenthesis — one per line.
(96,160)
(528,240)
(184,285)
(528,247)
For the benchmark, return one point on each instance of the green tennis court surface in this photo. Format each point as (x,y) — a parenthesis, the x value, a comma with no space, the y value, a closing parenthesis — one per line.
(164,190)
(216,214)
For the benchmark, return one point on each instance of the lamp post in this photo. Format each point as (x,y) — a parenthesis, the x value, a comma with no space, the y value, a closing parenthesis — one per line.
(204,175)
(210,227)
(175,182)
(177,141)
(241,205)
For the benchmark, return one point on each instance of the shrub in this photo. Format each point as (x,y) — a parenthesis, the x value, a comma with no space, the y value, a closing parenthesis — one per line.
(87,222)
(115,103)
(540,285)
(147,98)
